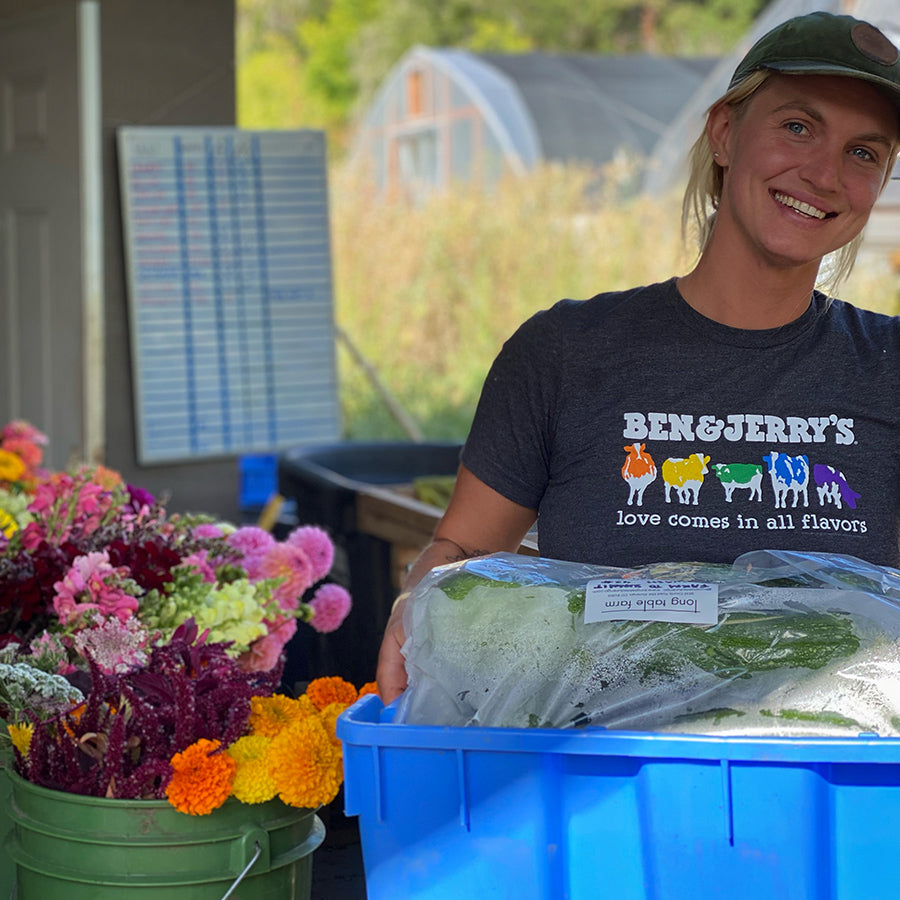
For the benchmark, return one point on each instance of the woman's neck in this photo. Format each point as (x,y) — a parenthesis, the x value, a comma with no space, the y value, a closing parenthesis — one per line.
(748,297)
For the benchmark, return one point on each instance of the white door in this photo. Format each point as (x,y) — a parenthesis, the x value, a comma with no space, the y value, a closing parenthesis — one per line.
(43,330)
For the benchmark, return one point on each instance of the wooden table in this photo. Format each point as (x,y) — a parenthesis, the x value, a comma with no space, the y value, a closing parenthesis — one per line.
(393,514)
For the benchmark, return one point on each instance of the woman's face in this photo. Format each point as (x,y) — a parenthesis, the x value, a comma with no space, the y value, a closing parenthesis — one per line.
(803,163)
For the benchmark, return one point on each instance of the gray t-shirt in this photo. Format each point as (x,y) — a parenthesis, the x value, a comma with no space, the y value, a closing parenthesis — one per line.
(642,431)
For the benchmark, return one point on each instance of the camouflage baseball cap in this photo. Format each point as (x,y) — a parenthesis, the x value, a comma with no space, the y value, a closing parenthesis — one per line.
(825,44)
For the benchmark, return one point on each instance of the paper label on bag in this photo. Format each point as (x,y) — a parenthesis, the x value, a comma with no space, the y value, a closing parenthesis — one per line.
(608,600)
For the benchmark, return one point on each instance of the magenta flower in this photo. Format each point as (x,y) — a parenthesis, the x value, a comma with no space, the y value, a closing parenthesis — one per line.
(207,530)
(317,545)
(330,605)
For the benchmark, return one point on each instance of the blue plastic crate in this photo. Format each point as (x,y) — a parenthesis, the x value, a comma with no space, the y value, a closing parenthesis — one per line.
(258,479)
(548,814)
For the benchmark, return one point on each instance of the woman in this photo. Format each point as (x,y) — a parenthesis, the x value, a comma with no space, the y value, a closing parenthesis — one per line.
(735,407)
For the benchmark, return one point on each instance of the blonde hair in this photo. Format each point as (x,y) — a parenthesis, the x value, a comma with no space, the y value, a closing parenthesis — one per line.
(704,187)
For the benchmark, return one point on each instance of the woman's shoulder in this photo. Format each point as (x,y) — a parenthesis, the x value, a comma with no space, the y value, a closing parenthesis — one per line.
(859,322)
(579,314)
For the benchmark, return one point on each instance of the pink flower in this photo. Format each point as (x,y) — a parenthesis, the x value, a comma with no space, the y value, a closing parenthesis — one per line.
(208,530)
(317,545)
(254,543)
(265,652)
(92,583)
(30,454)
(330,605)
(292,564)
(200,561)
(114,645)
(19,428)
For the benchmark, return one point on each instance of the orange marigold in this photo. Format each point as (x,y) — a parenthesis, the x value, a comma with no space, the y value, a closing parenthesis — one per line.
(269,715)
(202,778)
(329,717)
(370,687)
(306,765)
(323,691)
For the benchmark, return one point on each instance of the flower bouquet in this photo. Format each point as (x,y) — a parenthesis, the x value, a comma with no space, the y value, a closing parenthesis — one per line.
(141,652)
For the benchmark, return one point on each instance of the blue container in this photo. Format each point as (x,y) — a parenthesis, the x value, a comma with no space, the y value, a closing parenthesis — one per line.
(548,814)
(258,479)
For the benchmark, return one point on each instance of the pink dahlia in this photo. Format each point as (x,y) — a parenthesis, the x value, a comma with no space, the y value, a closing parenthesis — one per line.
(291,564)
(253,542)
(317,545)
(265,652)
(330,605)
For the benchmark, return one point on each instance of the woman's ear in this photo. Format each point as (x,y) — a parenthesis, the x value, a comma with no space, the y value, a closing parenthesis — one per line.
(719,125)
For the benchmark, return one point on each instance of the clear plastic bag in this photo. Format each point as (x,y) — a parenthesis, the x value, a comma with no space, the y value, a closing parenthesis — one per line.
(805,644)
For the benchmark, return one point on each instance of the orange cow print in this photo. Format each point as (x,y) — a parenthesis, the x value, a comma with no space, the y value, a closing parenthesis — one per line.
(686,476)
(639,471)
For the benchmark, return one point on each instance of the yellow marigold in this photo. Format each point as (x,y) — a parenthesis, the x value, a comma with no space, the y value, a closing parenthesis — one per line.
(323,691)
(329,717)
(11,466)
(253,783)
(269,715)
(21,736)
(202,778)
(7,523)
(306,765)
(370,687)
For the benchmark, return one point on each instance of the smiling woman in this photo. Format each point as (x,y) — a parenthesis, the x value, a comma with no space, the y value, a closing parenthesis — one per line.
(786,171)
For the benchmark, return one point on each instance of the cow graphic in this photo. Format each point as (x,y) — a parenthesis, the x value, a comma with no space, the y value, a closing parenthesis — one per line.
(788,473)
(686,476)
(734,476)
(832,487)
(639,471)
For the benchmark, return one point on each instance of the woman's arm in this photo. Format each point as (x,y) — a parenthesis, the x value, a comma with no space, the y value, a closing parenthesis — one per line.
(478,521)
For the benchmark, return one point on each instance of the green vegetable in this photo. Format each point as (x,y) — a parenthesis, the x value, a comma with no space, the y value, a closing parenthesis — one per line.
(745,642)
(458,585)
(575,603)
(717,714)
(828,718)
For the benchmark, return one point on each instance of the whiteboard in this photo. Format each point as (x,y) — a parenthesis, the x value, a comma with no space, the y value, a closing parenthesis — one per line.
(228,262)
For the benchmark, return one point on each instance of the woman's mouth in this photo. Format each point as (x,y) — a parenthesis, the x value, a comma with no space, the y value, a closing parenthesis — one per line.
(801,206)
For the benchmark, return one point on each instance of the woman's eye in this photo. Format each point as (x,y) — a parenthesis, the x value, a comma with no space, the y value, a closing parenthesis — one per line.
(863,154)
(796,127)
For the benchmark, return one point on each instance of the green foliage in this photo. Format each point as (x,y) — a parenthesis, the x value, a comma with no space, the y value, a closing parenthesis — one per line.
(316,63)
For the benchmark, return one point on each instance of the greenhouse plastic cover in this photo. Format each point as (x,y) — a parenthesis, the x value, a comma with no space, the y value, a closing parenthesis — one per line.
(805,644)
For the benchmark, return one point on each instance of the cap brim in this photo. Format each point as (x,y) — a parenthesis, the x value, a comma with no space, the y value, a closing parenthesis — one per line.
(821,67)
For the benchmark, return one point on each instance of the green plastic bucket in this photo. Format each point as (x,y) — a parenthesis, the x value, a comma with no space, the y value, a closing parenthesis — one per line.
(69,847)
(6,864)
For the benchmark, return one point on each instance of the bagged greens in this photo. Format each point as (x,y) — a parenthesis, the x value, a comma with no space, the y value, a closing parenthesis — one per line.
(805,644)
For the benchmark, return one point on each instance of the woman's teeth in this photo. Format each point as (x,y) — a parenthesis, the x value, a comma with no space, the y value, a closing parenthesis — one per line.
(800,206)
